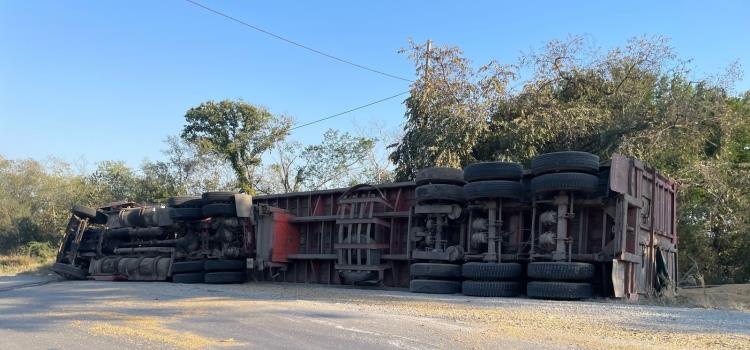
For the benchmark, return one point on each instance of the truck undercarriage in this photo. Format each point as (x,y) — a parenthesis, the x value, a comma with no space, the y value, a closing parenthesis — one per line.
(571,227)
(189,240)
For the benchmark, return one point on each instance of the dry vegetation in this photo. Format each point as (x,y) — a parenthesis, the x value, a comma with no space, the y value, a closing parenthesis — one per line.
(17,264)
(728,296)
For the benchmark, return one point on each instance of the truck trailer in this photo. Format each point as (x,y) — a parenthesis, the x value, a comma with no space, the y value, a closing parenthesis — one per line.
(569,227)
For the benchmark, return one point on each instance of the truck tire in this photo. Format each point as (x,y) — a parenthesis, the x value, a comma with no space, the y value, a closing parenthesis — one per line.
(565,182)
(560,271)
(184,202)
(218,197)
(493,171)
(219,209)
(194,277)
(187,266)
(433,270)
(493,189)
(69,272)
(434,286)
(84,212)
(439,193)
(491,271)
(559,290)
(225,265)
(186,213)
(440,175)
(225,277)
(565,161)
(491,288)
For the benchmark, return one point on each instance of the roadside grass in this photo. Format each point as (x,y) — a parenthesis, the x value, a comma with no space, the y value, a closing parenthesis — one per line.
(32,258)
(727,296)
(23,264)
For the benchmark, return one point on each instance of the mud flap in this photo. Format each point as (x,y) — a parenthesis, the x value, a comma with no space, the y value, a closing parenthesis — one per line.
(618,278)
(244,206)
(663,281)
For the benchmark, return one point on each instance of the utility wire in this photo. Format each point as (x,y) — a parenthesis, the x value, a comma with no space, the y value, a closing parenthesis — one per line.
(295,43)
(347,111)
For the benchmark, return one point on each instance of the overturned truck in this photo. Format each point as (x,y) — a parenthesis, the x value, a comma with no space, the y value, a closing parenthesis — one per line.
(570,227)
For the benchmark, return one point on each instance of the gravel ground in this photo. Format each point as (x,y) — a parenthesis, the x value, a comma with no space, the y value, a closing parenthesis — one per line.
(106,315)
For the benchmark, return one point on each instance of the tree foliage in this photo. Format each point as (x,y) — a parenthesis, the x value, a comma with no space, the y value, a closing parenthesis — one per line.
(194,171)
(445,98)
(237,132)
(338,161)
(35,198)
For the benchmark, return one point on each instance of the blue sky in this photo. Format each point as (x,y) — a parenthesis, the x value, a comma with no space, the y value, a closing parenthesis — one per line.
(101,80)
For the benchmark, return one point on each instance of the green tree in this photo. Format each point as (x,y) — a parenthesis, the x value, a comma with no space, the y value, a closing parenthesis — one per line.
(155,183)
(337,161)
(35,198)
(377,167)
(114,181)
(445,115)
(237,132)
(194,171)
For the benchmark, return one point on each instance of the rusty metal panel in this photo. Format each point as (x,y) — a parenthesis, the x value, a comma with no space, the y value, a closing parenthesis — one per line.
(286,239)
(645,222)
(316,223)
(619,178)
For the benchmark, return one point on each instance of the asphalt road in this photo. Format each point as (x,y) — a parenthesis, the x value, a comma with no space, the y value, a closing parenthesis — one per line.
(35,314)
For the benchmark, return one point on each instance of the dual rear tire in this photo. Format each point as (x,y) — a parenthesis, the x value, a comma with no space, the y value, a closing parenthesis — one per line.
(435,278)
(491,279)
(489,181)
(210,271)
(188,271)
(560,280)
(554,280)
(568,171)
(559,290)
(491,288)
(210,204)
(434,286)
(565,171)
(223,277)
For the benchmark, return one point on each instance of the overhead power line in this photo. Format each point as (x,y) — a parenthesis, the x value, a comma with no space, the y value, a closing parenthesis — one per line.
(349,111)
(279,37)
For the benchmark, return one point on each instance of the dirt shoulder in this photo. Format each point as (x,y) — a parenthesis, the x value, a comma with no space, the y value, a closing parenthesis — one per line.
(727,297)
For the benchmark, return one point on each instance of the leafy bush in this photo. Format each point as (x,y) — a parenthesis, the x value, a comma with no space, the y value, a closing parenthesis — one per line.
(41,250)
